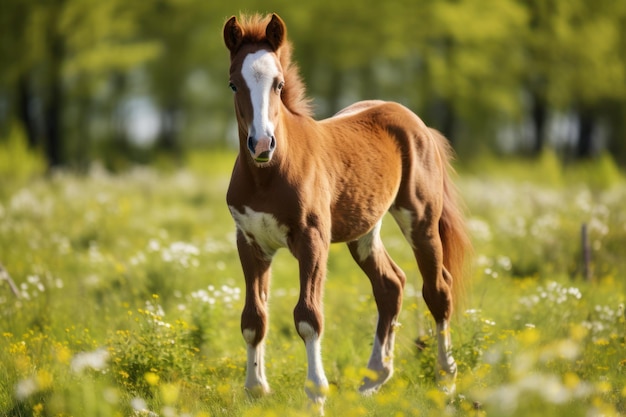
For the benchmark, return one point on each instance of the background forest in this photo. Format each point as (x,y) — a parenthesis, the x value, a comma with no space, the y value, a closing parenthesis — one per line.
(120,81)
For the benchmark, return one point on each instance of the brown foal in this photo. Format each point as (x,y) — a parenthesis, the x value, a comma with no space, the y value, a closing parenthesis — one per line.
(304,184)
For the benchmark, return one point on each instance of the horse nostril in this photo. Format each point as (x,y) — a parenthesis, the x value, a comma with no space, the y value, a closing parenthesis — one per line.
(272,143)
(251,144)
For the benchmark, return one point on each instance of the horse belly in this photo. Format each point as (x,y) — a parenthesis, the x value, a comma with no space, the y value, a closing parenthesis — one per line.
(350,225)
(362,203)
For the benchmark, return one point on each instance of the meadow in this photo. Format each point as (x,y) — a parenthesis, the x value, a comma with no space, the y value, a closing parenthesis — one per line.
(128,293)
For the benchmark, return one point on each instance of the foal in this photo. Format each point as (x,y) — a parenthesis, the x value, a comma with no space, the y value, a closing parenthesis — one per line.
(304,184)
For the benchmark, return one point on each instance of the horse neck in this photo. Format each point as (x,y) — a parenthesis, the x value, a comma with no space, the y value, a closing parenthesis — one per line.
(298,134)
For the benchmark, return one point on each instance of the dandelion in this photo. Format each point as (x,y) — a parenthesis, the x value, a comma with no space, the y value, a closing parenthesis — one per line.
(25,388)
(566,349)
(181,253)
(601,322)
(473,314)
(490,272)
(111,395)
(151,378)
(141,408)
(96,360)
(583,201)
(483,261)
(37,409)
(138,259)
(154,245)
(95,256)
(479,229)
(552,293)
(504,262)
(226,295)
(24,291)
(169,393)
(155,309)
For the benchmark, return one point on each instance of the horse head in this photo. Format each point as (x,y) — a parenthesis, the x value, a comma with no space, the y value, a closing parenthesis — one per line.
(257,80)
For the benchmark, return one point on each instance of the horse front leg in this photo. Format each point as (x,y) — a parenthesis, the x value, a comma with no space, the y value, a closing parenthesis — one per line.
(254,318)
(312,254)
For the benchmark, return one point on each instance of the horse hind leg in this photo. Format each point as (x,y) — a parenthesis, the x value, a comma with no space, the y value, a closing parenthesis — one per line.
(387,281)
(437,286)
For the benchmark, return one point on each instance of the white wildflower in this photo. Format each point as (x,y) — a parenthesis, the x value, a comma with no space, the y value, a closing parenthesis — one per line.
(479,229)
(96,360)
(25,388)
(154,245)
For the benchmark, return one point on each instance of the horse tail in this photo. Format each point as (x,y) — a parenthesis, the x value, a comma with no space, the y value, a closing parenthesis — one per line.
(452,228)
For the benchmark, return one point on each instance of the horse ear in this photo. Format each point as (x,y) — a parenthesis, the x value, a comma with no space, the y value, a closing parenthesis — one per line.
(233,34)
(275,32)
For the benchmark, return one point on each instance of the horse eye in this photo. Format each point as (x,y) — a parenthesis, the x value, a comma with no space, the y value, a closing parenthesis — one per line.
(233,87)
(280,85)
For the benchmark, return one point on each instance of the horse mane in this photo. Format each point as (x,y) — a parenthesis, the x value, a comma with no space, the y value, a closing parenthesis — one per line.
(294,93)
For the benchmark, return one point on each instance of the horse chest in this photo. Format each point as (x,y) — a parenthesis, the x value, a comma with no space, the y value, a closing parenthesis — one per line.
(260,228)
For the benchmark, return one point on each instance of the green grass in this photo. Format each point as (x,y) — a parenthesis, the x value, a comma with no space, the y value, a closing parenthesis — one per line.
(130,293)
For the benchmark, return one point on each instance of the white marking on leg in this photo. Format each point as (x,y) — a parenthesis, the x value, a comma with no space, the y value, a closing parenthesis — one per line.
(369,242)
(404,218)
(380,363)
(316,385)
(447,364)
(256,383)
(261,228)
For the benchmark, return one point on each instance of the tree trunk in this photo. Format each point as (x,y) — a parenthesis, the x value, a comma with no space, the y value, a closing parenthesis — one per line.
(586,127)
(448,121)
(54,108)
(539,115)
(25,110)
(617,135)
(168,137)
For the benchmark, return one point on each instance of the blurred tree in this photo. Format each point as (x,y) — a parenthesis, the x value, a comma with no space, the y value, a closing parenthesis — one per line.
(470,68)
(473,62)
(176,24)
(53,49)
(574,62)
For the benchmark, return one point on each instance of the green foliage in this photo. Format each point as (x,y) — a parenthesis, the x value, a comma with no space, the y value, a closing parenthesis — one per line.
(476,55)
(152,351)
(130,293)
(601,173)
(18,163)
(580,32)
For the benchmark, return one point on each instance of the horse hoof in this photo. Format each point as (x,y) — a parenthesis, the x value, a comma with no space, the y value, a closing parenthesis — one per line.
(447,382)
(316,407)
(258,391)
(317,396)
(371,384)
(316,393)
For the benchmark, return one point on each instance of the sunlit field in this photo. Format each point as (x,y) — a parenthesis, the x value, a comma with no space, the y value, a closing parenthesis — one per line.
(128,293)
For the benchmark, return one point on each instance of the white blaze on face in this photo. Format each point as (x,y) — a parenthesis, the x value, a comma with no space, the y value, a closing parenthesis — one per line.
(259,71)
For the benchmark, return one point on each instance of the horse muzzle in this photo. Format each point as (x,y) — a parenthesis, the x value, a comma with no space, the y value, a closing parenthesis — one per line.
(262,149)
